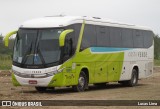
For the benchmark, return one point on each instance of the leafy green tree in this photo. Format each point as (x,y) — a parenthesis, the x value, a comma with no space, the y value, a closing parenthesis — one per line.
(4,50)
(156,47)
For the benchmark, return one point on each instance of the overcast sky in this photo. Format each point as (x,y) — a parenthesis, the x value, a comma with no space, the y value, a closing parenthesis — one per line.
(140,12)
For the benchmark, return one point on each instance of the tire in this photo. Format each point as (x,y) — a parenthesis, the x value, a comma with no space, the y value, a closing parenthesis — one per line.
(133,81)
(82,83)
(134,78)
(41,89)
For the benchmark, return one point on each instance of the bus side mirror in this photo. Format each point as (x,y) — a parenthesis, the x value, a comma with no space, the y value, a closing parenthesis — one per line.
(6,38)
(63,36)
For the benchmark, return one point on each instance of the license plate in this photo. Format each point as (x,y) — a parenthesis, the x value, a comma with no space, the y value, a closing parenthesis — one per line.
(32,81)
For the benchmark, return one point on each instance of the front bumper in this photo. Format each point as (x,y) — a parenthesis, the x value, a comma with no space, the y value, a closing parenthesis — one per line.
(43,77)
(18,81)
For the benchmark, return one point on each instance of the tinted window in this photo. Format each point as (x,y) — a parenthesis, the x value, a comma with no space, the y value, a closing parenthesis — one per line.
(77,28)
(138,38)
(74,35)
(127,39)
(102,36)
(148,38)
(89,37)
(115,37)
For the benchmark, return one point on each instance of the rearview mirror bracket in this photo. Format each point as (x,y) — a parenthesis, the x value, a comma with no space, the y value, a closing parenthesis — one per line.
(6,38)
(63,36)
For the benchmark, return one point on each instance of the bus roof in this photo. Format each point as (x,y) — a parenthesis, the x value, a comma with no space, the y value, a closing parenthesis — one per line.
(62,21)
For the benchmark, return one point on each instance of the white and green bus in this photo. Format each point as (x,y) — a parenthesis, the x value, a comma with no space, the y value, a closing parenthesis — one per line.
(58,51)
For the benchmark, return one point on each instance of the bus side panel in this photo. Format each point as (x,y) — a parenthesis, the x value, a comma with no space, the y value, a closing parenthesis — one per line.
(126,70)
(100,72)
(113,71)
(108,65)
(140,57)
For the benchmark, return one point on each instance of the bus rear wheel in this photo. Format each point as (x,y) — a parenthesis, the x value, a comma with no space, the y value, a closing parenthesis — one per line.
(82,83)
(41,89)
(134,78)
(133,81)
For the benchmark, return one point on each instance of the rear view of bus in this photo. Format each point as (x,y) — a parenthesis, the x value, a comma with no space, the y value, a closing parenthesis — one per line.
(76,51)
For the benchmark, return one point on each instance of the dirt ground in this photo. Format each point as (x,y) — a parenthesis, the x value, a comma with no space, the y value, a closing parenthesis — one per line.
(147,89)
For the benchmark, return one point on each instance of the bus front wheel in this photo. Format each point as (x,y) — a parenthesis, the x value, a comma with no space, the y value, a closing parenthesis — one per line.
(82,83)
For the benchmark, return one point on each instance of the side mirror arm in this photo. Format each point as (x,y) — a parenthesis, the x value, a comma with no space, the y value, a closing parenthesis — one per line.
(6,38)
(63,36)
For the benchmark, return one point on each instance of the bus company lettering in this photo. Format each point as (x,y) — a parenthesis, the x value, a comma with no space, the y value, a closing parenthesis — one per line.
(137,54)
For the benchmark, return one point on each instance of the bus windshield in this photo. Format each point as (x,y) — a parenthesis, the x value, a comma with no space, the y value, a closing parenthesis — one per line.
(37,46)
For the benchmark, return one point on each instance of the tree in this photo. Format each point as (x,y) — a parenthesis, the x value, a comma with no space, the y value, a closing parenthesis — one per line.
(3,49)
(156,47)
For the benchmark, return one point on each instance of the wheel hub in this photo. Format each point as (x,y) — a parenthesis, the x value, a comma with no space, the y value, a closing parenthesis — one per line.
(134,79)
(81,81)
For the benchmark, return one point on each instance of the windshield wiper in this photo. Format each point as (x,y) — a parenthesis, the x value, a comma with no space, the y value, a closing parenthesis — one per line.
(40,55)
(27,52)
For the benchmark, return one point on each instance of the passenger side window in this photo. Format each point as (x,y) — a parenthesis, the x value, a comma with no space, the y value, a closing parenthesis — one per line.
(68,47)
(115,37)
(74,35)
(102,36)
(127,38)
(77,28)
(138,39)
(148,39)
(89,37)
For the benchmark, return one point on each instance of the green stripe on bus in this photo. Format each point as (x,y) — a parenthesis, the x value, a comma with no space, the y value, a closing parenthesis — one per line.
(14,80)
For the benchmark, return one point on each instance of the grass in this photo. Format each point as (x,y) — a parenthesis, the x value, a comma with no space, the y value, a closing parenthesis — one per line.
(5,62)
(157,62)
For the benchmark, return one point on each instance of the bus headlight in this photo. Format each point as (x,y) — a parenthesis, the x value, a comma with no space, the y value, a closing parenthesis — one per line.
(61,70)
(15,72)
(55,71)
(50,74)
